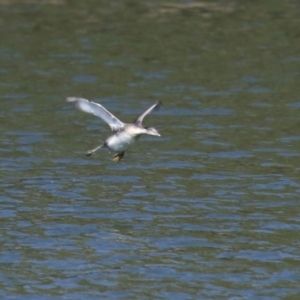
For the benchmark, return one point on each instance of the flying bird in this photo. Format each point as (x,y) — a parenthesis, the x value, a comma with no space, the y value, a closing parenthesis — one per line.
(124,135)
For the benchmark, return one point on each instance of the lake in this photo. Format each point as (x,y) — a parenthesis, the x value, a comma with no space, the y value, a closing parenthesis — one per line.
(210,210)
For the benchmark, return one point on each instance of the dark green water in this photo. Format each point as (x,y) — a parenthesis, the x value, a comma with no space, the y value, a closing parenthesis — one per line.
(208,211)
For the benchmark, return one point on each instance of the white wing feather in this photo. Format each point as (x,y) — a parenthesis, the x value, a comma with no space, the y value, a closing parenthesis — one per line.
(139,119)
(97,110)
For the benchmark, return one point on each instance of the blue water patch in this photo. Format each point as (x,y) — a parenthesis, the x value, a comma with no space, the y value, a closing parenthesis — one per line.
(204,111)
(251,79)
(182,152)
(15,96)
(22,109)
(176,164)
(263,256)
(212,142)
(10,257)
(288,153)
(262,128)
(232,91)
(231,154)
(135,84)
(29,137)
(85,43)
(271,150)
(210,177)
(124,179)
(258,90)
(272,165)
(277,225)
(85,78)
(209,126)
(261,104)
(179,88)
(112,63)
(153,75)
(294,104)
(7,213)
(292,59)
(275,185)
(290,139)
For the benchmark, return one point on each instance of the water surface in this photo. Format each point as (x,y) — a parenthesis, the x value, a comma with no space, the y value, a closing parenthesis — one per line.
(208,211)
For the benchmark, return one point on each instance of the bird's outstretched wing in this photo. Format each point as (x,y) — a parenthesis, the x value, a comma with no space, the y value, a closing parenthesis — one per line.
(140,118)
(97,110)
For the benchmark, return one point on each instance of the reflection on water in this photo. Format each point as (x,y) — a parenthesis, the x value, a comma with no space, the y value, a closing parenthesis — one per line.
(207,210)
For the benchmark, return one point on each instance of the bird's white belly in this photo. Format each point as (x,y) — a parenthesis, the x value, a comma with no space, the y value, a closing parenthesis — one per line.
(120,142)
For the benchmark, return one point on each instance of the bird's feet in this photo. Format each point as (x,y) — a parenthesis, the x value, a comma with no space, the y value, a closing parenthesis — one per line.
(118,157)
